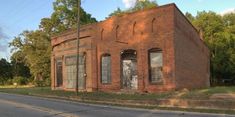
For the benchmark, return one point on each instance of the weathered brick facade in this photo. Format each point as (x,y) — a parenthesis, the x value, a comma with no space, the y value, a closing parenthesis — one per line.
(185,57)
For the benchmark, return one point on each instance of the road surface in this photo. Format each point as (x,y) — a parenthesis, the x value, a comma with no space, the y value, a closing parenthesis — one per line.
(12,105)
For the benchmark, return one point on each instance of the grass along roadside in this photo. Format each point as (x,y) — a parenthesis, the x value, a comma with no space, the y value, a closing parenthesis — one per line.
(199,94)
(13,86)
(101,97)
(82,95)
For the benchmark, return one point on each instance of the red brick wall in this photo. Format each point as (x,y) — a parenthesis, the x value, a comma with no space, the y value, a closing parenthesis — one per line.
(163,27)
(191,55)
(139,31)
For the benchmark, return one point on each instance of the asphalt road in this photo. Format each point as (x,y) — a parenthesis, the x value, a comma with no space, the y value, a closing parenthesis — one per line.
(12,105)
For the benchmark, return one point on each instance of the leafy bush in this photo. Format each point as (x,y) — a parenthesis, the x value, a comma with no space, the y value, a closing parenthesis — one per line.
(42,83)
(20,80)
(5,81)
(48,82)
(38,83)
(8,82)
(2,80)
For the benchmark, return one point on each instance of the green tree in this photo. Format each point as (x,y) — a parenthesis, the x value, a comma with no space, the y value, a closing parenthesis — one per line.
(219,35)
(189,16)
(65,17)
(5,71)
(209,23)
(229,21)
(144,4)
(19,67)
(116,12)
(33,47)
(139,5)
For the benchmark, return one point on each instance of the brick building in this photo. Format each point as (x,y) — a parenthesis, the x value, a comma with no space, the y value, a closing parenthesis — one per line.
(153,50)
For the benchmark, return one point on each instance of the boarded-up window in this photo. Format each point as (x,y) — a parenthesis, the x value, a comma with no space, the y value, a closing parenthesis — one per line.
(106,69)
(71,71)
(155,65)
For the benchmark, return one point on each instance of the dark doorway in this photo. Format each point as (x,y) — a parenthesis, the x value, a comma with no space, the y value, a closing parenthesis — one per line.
(59,75)
(129,70)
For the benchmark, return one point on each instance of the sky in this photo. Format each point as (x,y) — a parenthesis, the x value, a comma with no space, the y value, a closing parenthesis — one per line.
(19,15)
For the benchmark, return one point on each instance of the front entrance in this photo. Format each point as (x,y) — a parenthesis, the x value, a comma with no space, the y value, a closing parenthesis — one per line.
(59,76)
(129,70)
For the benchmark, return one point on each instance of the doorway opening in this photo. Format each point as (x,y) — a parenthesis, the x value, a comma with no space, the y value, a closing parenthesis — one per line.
(129,77)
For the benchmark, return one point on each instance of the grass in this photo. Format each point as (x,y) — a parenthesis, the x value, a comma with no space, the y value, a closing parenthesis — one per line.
(198,94)
(36,91)
(13,86)
(82,95)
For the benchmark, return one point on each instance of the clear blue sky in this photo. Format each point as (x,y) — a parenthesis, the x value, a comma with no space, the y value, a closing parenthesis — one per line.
(19,15)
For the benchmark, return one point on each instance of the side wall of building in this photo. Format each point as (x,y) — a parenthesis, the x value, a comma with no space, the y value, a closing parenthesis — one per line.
(191,55)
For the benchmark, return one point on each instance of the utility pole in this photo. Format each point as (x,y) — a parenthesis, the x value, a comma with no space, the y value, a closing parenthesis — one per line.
(77,53)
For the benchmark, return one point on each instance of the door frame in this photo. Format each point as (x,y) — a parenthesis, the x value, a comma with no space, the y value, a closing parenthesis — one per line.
(127,51)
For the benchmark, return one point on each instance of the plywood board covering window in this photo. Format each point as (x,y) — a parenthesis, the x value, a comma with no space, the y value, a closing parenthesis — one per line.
(106,69)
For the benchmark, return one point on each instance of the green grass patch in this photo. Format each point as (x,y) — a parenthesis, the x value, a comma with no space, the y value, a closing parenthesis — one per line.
(183,94)
(13,86)
(36,91)
(83,95)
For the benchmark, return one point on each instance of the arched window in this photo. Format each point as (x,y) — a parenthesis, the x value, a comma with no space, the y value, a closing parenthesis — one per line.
(101,35)
(106,69)
(133,30)
(117,31)
(155,65)
(152,25)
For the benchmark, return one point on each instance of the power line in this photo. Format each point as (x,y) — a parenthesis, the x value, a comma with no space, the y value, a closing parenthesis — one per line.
(26,15)
(37,9)
(21,6)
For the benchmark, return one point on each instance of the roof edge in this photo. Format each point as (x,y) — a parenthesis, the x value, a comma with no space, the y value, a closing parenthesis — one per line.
(140,11)
(112,17)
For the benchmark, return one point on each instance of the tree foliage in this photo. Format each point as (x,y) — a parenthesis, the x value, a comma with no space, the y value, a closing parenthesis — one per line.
(5,71)
(139,5)
(116,12)
(33,47)
(65,17)
(218,32)
(144,4)
(19,68)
